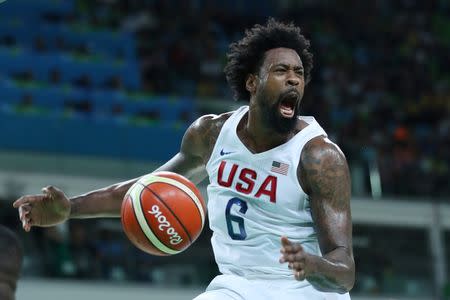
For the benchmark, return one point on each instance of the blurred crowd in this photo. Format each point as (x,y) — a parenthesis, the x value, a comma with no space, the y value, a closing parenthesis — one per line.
(380,87)
(381,83)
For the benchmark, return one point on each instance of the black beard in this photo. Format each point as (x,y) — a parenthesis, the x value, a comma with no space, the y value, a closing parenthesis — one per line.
(272,116)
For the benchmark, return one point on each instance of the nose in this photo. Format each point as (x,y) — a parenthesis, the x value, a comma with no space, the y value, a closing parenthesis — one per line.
(292,79)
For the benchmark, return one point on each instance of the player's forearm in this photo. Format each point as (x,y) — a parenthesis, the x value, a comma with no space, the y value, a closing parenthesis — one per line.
(334,272)
(104,202)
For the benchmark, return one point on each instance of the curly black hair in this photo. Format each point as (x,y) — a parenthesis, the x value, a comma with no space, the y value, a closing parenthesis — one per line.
(246,55)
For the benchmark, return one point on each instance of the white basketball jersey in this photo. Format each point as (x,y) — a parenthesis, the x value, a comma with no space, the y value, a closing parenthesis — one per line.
(254,199)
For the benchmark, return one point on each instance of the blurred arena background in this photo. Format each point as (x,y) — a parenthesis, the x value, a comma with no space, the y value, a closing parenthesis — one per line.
(92,92)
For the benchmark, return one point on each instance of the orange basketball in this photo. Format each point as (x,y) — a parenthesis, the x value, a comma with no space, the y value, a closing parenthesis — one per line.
(163,213)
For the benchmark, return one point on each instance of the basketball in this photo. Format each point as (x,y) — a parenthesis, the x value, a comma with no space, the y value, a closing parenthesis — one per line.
(163,213)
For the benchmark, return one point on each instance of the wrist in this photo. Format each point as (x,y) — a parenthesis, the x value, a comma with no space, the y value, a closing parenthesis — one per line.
(312,263)
(72,209)
(69,213)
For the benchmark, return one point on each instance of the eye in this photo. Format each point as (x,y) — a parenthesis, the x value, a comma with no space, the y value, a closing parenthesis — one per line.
(280,70)
(300,72)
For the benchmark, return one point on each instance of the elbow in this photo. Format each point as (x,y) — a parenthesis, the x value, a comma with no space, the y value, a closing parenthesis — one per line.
(341,285)
(340,280)
(350,279)
(345,287)
(341,288)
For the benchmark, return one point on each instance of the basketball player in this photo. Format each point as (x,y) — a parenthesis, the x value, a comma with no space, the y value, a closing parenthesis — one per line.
(279,189)
(10,263)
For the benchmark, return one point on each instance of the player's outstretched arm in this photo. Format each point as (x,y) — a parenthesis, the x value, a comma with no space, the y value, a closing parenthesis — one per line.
(53,206)
(188,162)
(325,177)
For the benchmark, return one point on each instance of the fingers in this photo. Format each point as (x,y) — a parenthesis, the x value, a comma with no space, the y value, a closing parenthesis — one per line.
(292,257)
(26,226)
(295,256)
(25,206)
(300,275)
(25,216)
(48,189)
(27,200)
(51,191)
(30,206)
(285,241)
(289,247)
(296,265)
(293,248)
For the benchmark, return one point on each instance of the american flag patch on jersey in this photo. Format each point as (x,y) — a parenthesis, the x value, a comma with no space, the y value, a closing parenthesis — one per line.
(279,167)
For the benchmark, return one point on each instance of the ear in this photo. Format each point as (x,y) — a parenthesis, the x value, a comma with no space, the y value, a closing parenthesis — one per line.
(251,83)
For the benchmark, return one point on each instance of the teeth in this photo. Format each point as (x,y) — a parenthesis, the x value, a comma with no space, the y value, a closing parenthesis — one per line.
(286,111)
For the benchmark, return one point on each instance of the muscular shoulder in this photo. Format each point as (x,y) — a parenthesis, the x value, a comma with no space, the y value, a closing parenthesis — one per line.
(321,163)
(201,136)
(321,148)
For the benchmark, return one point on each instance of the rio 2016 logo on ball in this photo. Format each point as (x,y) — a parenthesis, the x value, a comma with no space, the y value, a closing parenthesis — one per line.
(163,213)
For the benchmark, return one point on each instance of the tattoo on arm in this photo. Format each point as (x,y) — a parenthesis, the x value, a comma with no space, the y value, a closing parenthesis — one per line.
(325,177)
(201,137)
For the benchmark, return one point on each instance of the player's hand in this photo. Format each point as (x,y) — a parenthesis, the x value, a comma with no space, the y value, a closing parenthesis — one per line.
(47,209)
(296,257)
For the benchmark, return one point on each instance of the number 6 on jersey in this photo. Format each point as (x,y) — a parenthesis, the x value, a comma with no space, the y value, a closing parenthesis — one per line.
(241,235)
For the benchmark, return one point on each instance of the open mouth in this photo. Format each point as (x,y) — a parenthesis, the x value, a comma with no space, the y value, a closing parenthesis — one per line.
(287,105)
